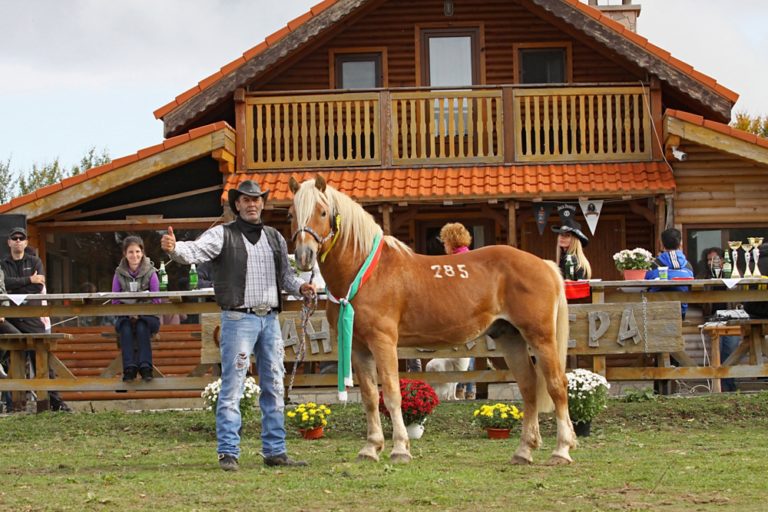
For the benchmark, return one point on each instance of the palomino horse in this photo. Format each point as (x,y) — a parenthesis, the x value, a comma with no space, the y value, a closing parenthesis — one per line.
(418,300)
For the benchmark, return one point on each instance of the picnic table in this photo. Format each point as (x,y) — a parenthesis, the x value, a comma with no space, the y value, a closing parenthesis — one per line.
(41,344)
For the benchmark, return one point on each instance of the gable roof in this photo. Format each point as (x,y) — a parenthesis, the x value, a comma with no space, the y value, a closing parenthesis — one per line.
(718,136)
(146,162)
(528,182)
(220,86)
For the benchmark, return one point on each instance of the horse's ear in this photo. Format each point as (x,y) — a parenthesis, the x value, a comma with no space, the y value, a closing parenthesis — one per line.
(320,182)
(293,185)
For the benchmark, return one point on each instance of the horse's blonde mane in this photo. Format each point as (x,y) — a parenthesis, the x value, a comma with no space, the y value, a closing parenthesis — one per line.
(356,223)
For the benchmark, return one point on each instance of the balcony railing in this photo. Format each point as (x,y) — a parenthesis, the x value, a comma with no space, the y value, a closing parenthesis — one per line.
(422,127)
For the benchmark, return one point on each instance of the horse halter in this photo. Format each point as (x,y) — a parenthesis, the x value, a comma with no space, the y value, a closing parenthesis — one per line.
(332,234)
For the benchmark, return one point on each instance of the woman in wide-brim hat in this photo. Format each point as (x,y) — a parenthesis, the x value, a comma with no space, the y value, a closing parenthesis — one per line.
(572,240)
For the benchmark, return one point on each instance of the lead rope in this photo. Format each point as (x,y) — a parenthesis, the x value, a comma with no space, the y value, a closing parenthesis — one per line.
(308,307)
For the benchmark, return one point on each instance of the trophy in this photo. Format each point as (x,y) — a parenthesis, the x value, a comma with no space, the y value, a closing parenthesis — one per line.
(756,242)
(716,267)
(747,246)
(735,252)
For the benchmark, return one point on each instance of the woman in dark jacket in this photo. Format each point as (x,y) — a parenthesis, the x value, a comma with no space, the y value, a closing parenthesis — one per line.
(135,273)
(570,241)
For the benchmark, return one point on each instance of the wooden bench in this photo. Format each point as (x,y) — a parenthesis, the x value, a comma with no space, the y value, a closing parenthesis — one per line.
(42,344)
(94,352)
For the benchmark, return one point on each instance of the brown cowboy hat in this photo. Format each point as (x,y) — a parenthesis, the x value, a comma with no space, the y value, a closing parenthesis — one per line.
(249,188)
(573,227)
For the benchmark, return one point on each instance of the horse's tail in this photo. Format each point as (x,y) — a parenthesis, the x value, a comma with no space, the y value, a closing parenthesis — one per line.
(544,402)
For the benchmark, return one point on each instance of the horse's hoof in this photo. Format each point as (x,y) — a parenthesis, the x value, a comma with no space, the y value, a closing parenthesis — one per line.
(365,457)
(557,460)
(400,458)
(521,461)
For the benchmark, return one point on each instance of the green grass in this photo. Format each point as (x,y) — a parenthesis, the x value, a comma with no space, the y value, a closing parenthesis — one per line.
(706,453)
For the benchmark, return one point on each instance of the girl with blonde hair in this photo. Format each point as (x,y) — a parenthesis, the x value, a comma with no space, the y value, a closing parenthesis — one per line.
(572,240)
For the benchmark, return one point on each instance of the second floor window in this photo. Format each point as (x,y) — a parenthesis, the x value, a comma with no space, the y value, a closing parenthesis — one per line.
(542,65)
(358,71)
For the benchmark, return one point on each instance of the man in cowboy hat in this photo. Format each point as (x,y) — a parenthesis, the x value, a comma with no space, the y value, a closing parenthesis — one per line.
(250,269)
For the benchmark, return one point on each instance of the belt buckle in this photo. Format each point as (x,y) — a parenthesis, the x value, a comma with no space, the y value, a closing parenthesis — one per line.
(262,310)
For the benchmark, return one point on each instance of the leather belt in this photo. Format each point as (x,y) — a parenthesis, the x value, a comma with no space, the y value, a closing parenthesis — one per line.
(258,310)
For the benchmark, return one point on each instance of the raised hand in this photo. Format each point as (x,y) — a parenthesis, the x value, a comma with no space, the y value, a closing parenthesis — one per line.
(168,242)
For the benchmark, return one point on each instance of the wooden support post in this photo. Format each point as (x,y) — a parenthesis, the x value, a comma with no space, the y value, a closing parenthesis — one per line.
(512,223)
(714,349)
(656,117)
(507,100)
(240,130)
(41,363)
(386,219)
(385,128)
(661,213)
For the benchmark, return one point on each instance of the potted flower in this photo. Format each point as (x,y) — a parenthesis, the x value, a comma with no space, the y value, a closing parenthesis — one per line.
(634,263)
(248,401)
(418,402)
(497,419)
(309,418)
(587,396)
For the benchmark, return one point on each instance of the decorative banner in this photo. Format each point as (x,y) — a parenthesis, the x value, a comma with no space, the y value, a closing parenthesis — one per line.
(591,210)
(541,214)
(566,211)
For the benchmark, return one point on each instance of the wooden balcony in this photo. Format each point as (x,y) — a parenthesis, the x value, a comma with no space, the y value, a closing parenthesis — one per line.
(409,127)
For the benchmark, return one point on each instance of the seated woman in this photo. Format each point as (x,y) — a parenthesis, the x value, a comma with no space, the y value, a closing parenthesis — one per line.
(570,241)
(136,273)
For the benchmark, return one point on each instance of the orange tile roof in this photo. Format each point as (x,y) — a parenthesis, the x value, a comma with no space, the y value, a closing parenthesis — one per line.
(441,183)
(718,127)
(113,165)
(299,21)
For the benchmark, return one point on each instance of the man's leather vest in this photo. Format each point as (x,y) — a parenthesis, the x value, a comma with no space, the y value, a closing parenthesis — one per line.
(231,265)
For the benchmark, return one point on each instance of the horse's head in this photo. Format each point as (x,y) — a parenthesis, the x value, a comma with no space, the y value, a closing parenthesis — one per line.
(313,222)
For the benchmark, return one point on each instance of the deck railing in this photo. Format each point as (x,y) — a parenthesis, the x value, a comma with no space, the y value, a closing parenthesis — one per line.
(578,124)
(422,127)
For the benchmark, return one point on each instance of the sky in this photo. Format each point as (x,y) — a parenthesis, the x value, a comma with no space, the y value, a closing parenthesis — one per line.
(76,74)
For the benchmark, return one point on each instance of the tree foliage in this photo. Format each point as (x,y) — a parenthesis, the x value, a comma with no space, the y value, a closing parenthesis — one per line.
(41,175)
(6,179)
(751,124)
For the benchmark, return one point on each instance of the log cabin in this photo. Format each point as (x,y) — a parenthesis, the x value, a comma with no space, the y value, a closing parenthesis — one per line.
(487,112)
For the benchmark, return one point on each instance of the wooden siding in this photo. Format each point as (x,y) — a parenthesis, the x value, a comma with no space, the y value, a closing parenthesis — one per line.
(718,188)
(392,26)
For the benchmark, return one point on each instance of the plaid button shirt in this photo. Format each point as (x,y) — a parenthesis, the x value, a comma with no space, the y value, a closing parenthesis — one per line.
(260,286)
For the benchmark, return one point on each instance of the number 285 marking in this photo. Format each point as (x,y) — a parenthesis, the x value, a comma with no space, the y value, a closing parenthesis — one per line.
(448,271)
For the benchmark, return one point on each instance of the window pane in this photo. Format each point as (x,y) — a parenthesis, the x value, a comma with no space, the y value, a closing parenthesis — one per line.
(450,61)
(542,66)
(358,75)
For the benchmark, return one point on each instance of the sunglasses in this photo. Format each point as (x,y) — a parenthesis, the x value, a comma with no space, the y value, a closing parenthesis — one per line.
(18,238)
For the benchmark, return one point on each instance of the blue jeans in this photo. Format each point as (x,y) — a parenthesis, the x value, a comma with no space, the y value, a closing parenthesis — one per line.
(136,340)
(241,335)
(727,345)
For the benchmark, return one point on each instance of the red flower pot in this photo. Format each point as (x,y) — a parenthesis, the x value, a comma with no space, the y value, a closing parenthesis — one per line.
(498,433)
(312,433)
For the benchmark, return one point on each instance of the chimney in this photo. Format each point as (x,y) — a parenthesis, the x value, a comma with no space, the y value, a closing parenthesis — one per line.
(626,13)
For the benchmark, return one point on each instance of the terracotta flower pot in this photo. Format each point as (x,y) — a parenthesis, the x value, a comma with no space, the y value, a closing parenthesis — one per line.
(634,275)
(312,433)
(497,433)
